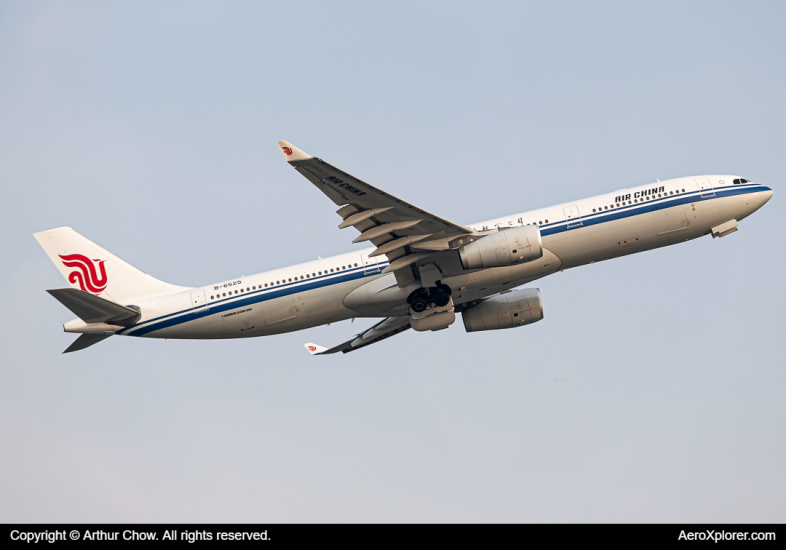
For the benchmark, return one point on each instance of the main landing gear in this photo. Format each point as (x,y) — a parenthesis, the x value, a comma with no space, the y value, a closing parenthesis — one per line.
(431,308)
(439,296)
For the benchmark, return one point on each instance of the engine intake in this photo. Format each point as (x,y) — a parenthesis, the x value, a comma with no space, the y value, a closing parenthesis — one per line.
(512,309)
(503,248)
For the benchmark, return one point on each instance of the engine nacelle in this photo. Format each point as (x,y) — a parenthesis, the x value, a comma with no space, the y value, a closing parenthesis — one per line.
(503,248)
(512,309)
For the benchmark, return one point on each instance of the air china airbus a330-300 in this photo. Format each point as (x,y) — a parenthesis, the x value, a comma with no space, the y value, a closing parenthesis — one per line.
(423,270)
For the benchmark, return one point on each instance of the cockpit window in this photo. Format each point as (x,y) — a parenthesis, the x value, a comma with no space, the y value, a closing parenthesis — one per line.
(741,180)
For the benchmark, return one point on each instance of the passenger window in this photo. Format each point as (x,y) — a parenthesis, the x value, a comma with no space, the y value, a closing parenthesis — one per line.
(356,265)
(225,293)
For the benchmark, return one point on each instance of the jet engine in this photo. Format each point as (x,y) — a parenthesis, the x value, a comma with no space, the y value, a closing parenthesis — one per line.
(503,248)
(512,309)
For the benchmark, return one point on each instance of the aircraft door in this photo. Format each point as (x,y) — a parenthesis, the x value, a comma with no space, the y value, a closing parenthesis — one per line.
(572,216)
(369,264)
(198,300)
(705,186)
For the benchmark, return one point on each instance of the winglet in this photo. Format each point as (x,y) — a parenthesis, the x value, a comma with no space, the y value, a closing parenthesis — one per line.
(292,153)
(315,349)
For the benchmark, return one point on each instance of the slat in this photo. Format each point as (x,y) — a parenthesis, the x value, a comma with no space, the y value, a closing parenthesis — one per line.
(360,216)
(385,228)
(397,243)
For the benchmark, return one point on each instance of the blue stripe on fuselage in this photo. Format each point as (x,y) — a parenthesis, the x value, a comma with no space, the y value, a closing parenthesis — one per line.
(246,299)
(649,206)
(262,295)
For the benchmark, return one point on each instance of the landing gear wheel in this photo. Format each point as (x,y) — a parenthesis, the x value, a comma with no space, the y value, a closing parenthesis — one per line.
(441,298)
(419,304)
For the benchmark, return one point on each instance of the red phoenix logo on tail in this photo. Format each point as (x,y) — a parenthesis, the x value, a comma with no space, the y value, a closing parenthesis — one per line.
(312,348)
(287,150)
(85,273)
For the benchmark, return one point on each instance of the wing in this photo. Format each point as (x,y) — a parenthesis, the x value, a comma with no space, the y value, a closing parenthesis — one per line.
(384,329)
(401,231)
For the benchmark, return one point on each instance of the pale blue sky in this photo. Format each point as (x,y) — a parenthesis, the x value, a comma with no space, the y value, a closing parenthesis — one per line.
(150,127)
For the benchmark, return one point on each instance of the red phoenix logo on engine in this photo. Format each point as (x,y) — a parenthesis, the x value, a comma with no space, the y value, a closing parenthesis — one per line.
(287,150)
(85,273)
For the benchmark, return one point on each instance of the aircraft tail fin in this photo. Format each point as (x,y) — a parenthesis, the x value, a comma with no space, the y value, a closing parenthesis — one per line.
(95,270)
(85,341)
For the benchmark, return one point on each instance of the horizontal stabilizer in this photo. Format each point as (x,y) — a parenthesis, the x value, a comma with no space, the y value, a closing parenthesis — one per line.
(85,341)
(93,309)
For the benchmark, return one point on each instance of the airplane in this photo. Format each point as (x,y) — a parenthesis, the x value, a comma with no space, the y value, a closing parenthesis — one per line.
(421,272)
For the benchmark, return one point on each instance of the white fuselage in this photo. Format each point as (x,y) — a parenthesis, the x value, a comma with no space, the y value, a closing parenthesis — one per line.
(351,285)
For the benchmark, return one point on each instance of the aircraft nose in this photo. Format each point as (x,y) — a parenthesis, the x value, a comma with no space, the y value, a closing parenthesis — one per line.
(762,197)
